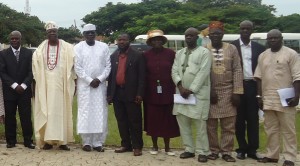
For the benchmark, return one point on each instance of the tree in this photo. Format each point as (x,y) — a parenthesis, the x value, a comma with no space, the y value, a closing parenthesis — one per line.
(30,26)
(71,34)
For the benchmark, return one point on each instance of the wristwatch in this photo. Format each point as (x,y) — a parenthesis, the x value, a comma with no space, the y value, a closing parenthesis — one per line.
(258,96)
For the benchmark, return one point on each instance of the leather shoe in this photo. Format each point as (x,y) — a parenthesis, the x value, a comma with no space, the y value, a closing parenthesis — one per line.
(64,147)
(253,156)
(123,149)
(99,149)
(202,158)
(137,152)
(241,156)
(30,146)
(47,147)
(267,160)
(10,145)
(288,163)
(186,155)
(87,148)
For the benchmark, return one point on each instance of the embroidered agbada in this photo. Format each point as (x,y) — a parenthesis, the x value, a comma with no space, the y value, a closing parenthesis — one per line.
(227,79)
(54,92)
(92,62)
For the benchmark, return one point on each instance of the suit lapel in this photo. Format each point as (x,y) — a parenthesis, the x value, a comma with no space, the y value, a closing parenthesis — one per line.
(116,61)
(11,56)
(129,58)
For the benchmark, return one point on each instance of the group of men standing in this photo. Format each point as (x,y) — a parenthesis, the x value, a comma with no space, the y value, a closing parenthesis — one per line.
(230,82)
(243,78)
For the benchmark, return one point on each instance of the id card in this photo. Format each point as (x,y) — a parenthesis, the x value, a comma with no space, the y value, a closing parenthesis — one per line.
(159,89)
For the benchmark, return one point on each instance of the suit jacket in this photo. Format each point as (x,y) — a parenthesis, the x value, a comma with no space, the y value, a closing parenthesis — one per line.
(12,71)
(134,75)
(256,50)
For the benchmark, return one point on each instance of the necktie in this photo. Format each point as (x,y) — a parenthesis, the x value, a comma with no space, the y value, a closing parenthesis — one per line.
(17,55)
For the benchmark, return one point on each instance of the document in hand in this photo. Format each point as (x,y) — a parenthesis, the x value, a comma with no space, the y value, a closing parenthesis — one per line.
(285,94)
(180,100)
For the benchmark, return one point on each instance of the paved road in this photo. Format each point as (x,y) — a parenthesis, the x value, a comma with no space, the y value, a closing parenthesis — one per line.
(21,156)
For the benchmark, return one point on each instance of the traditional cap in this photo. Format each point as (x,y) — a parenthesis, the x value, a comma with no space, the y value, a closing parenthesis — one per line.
(202,27)
(156,33)
(216,24)
(89,27)
(51,25)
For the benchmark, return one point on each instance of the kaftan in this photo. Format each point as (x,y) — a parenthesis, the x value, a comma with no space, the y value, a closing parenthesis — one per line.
(92,62)
(54,92)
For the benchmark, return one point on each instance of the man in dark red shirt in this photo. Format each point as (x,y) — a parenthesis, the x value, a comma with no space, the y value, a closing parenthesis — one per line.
(125,90)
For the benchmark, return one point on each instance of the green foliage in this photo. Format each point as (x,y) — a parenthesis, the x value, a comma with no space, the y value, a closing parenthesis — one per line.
(71,35)
(288,24)
(174,17)
(31,28)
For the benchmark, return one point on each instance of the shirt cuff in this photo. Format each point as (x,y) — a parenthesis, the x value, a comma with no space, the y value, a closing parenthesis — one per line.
(14,85)
(24,86)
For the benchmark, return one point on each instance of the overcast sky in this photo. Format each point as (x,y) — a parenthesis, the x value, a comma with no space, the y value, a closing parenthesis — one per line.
(65,12)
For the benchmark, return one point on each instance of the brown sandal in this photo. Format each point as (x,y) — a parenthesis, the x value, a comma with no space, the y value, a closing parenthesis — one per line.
(213,156)
(228,158)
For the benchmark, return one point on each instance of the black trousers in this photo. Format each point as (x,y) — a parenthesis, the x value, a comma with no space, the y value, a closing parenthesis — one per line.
(247,120)
(23,104)
(129,119)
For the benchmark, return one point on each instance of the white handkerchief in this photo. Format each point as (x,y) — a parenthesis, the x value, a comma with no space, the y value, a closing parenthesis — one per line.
(284,94)
(180,100)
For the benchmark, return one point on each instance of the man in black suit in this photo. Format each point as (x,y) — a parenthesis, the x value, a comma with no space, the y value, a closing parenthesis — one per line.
(125,90)
(247,114)
(17,77)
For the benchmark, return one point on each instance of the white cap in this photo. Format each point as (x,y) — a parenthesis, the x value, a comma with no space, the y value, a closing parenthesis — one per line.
(51,25)
(89,27)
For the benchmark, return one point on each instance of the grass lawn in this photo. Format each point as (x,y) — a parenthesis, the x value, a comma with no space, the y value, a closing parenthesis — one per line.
(113,138)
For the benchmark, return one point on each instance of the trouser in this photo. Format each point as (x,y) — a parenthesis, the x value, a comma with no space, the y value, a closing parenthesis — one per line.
(185,126)
(281,124)
(129,119)
(225,145)
(93,139)
(247,120)
(23,104)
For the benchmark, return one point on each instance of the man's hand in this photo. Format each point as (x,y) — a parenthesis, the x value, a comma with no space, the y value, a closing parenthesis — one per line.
(109,100)
(95,83)
(213,97)
(19,89)
(184,92)
(235,100)
(260,103)
(2,119)
(138,99)
(293,102)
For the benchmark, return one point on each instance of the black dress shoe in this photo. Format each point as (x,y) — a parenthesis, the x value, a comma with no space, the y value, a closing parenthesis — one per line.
(30,146)
(87,148)
(267,160)
(288,163)
(186,155)
(241,156)
(123,149)
(47,146)
(253,156)
(202,158)
(10,145)
(64,147)
(137,152)
(99,149)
